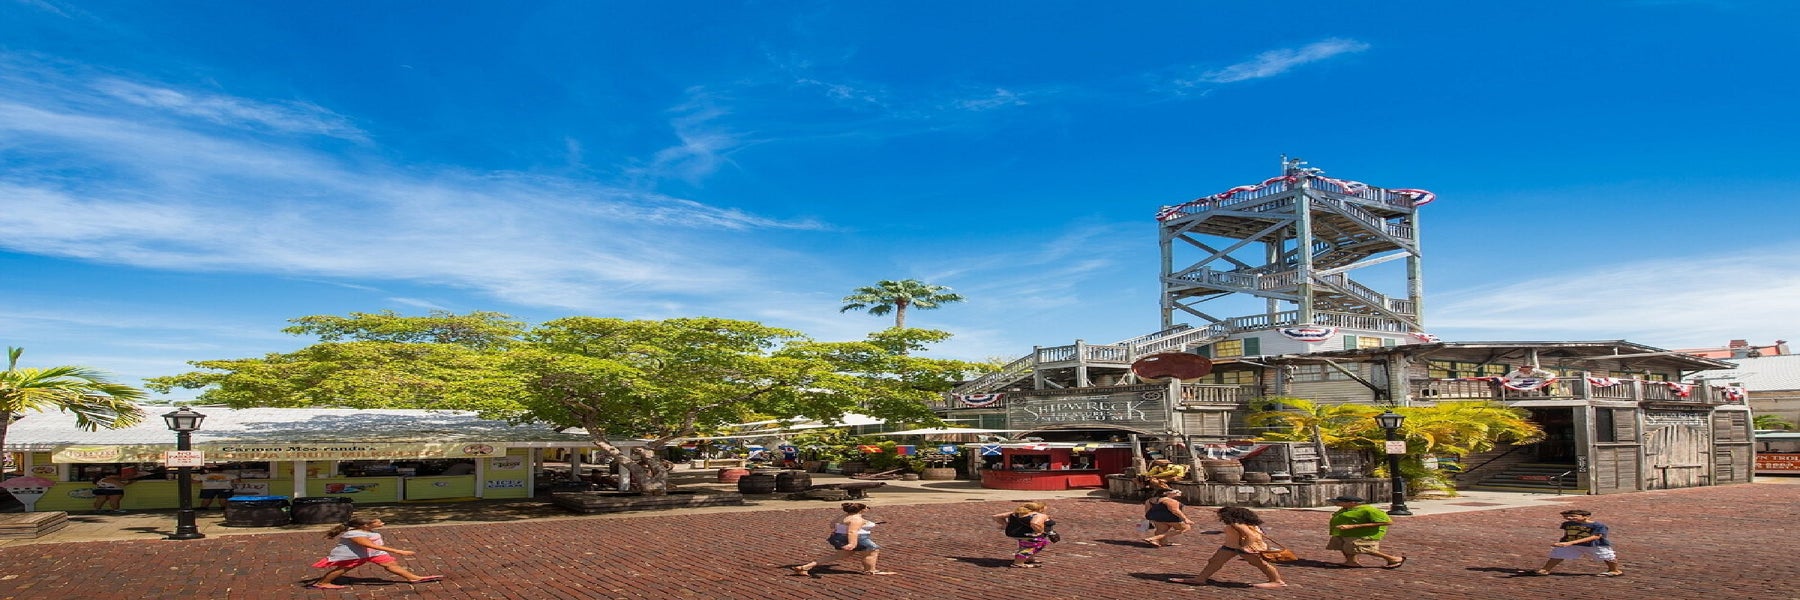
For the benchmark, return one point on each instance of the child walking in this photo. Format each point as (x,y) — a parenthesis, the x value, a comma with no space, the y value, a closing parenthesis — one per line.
(1582,536)
(359,544)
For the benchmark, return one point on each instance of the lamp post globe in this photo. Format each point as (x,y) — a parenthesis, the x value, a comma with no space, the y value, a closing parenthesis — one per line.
(184,423)
(1390,422)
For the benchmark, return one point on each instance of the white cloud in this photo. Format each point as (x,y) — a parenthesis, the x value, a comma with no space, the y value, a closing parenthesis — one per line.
(288,117)
(1276,62)
(1689,303)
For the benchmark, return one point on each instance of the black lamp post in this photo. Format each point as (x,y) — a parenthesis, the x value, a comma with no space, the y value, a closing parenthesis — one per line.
(184,422)
(1391,421)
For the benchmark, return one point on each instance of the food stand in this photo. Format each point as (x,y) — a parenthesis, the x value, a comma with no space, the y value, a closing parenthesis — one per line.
(367,456)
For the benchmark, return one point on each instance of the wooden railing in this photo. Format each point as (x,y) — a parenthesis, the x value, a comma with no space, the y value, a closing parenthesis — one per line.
(1627,390)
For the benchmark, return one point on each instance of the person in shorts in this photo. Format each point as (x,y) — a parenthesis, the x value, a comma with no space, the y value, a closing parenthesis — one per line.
(1583,536)
(215,485)
(1357,529)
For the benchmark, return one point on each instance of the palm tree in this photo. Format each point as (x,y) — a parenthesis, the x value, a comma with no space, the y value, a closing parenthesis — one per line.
(1772,422)
(896,296)
(95,401)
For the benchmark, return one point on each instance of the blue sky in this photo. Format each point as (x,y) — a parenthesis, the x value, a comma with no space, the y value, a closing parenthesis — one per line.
(178,180)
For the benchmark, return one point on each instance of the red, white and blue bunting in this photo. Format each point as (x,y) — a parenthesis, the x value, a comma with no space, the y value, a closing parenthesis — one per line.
(1309,334)
(978,400)
(1604,382)
(1525,383)
(1171,212)
(1682,390)
(1733,393)
(1419,197)
(1424,338)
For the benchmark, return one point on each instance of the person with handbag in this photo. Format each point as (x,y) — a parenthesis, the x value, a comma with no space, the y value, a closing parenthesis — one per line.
(1034,530)
(1357,528)
(1243,537)
(1163,511)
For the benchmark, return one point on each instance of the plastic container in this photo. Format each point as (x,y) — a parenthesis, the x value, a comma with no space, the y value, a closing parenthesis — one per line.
(256,511)
(313,510)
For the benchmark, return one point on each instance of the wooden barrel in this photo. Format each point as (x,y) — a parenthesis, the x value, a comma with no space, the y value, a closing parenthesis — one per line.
(1257,477)
(730,474)
(792,481)
(1223,471)
(756,483)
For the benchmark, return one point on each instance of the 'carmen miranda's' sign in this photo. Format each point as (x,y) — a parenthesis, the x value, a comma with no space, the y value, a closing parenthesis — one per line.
(1141,408)
(280,451)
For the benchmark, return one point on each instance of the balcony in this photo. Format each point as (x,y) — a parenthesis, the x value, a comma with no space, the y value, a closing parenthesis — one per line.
(1570,388)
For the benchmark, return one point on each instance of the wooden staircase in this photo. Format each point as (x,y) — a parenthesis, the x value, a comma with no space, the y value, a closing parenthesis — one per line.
(1532,477)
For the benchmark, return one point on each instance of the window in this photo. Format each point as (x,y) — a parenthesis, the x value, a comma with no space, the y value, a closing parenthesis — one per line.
(1603,426)
(1369,342)
(1235,377)
(1228,348)
(1451,369)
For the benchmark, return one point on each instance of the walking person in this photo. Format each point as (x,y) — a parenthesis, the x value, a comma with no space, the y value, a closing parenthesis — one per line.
(1357,529)
(850,537)
(358,544)
(1583,536)
(109,490)
(1243,537)
(1032,528)
(1163,511)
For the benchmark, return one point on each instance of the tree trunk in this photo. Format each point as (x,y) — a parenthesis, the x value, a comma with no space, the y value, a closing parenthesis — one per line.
(649,473)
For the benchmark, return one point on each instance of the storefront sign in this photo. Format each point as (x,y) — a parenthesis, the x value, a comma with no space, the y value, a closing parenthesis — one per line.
(184,458)
(278,452)
(1778,462)
(1141,409)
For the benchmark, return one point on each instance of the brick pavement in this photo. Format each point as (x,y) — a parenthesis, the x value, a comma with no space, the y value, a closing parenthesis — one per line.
(1722,542)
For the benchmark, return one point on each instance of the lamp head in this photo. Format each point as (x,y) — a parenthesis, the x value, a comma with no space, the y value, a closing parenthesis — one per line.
(183,420)
(1390,420)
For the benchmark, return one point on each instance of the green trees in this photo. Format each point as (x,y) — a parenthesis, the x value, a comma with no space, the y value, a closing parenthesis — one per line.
(897,296)
(657,380)
(1447,428)
(86,392)
(1772,422)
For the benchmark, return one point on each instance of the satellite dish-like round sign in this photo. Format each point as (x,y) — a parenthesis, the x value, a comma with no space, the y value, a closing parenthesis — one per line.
(1172,365)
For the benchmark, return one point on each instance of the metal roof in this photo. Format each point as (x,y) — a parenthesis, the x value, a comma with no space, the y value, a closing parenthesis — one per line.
(1762,374)
(1602,351)
(44,431)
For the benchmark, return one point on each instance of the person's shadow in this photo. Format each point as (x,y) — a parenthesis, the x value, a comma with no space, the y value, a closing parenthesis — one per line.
(1511,572)
(983,561)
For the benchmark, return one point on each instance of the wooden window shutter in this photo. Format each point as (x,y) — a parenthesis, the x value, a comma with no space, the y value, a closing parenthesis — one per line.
(1349,342)
(1252,346)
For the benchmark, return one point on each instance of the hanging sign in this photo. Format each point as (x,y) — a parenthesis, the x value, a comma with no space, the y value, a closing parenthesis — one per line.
(184,458)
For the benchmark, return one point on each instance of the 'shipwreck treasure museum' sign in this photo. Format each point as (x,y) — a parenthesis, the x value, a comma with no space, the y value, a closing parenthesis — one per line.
(280,452)
(1143,408)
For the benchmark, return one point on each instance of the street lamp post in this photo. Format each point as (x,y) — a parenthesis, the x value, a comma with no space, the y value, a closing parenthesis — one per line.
(1391,421)
(184,423)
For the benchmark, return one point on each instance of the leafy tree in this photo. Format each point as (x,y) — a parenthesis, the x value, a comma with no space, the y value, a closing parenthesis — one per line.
(1325,425)
(95,401)
(665,380)
(897,296)
(1772,422)
(372,360)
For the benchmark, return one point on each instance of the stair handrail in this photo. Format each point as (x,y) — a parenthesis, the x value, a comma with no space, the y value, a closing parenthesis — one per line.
(1484,463)
(1558,480)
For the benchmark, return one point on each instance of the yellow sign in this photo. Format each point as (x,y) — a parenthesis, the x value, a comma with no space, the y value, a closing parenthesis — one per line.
(233,452)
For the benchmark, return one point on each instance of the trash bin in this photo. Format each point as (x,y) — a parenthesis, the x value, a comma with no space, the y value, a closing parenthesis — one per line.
(313,510)
(256,511)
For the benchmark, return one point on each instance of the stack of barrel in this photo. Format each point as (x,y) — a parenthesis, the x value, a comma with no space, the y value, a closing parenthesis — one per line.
(1223,471)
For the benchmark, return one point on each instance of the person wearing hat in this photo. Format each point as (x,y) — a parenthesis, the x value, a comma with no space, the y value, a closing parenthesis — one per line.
(1357,528)
(1161,472)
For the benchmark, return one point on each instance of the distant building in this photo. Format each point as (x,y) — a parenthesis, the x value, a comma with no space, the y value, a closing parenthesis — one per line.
(1741,349)
(1771,383)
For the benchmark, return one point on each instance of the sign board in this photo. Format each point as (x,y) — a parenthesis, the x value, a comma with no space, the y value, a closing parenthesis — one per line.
(184,458)
(1778,462)
(1137,407)
(1396,447)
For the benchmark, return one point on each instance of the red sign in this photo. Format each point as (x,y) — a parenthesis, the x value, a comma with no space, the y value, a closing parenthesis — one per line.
(1778,462)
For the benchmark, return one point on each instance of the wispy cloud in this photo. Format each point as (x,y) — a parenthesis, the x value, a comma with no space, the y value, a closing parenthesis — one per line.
(287,117)
(156,177)
(1718,298)
(1276,62)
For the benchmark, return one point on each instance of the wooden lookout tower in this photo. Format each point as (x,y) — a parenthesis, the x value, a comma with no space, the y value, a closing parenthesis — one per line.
(1293,242)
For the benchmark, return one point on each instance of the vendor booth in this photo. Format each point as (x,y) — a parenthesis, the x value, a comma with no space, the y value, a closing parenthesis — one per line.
(366,456)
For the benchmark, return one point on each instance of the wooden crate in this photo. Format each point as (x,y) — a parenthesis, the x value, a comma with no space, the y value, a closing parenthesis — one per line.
(25,526)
